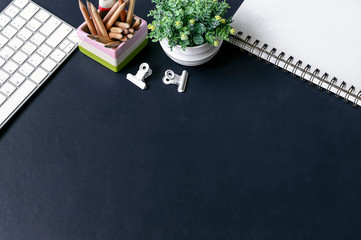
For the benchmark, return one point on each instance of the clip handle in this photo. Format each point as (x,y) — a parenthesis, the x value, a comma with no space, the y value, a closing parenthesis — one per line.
(143,72)
(172,78)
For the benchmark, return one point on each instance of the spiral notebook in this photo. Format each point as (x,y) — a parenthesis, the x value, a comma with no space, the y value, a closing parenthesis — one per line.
(318,40)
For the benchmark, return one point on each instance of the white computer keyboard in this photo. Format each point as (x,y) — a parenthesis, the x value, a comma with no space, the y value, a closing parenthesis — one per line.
(33,43)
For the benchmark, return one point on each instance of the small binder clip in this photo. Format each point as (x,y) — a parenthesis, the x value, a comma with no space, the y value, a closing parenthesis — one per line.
(143,72)
(172,78)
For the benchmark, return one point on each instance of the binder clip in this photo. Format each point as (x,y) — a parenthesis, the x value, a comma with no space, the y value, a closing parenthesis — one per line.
(172,78)
(143,72)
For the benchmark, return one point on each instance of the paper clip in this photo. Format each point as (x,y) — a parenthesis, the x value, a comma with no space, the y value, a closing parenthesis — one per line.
(143,72)
(172,78)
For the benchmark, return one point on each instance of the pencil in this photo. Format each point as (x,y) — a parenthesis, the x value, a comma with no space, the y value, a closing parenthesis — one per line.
(110,13)
(113,44)
(123,15)
(116,30)
(136,24)
(100,38)
(99,22)
(92,18)
(115,16)
(122,25)
(116,35)
(87,18)
(130,12)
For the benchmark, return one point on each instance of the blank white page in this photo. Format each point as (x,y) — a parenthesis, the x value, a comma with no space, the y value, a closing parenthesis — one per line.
(325,34)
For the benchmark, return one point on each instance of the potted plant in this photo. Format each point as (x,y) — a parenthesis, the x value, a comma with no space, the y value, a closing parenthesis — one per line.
(190,31)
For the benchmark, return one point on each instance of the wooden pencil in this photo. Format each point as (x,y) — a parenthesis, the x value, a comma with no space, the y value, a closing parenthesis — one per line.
(110,13)
(123,15)
(122,25)
(116,30)
(92,18)
(130,12)
(99,22)
(136,24)
(100,39)
(88,21)
(113,44)
(116,35)
(115,16)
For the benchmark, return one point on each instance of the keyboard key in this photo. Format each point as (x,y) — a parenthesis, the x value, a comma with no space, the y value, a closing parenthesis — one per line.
(73,37)
(33,25)
(17,79)
(28,48)
(16,99)
(48,65)
(42,16)
(7,89)
(50,26)
(38,76)
(18,22)
(64,44)
(29,11)
(6,52)
(9,31)
(24,34)
(15,43)
(10,67)
(26,69)
(38,39)
(3,41)
(2,99)
(57,55)
(21,3)
(12,11)
(35,60)
(44,50)
(2,61)
(4,20)
(20,57)
(3,76)
(69,47)
(58,35)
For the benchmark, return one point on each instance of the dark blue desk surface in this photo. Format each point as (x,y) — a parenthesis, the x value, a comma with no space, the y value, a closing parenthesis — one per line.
(247,152)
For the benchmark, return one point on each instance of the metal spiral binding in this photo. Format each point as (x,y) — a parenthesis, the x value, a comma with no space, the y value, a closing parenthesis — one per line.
(349,92)
(331,85)
(278,59)
(357,99)
(260,52)
(342,86)
(314,74)
(323,79)
(305,70)
(265,46)
(296,67)
(288,62)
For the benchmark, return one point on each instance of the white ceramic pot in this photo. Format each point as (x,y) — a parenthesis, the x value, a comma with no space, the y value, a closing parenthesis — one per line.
(192,56)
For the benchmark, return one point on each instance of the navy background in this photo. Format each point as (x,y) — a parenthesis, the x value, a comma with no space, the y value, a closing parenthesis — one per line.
(247,152)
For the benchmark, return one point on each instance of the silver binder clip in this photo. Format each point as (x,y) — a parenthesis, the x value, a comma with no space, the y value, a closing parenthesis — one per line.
(172,78)
(143,72)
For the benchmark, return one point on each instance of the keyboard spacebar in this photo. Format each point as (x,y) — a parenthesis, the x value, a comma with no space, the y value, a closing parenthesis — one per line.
(15,100)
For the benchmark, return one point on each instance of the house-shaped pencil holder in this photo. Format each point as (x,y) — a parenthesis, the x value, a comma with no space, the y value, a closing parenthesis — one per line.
(113,58)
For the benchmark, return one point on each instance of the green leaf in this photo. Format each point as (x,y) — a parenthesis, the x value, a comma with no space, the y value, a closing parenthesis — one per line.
(198,40)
